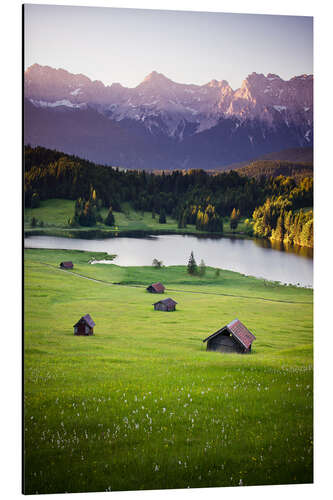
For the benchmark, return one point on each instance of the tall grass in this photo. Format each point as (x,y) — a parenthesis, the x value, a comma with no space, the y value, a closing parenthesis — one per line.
(142,404)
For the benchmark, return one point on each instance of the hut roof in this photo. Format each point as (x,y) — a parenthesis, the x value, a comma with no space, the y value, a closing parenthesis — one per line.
(239,331)
(87,318)
(158,287)
(168,302)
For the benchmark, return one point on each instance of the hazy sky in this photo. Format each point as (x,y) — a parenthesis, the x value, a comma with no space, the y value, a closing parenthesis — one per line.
(124,45)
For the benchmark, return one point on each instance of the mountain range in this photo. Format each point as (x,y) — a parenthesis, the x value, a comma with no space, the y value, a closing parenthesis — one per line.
(161,124)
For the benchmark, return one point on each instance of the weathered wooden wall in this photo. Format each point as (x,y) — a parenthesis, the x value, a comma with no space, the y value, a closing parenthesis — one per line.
(164,307)
(224,343)
(83,329)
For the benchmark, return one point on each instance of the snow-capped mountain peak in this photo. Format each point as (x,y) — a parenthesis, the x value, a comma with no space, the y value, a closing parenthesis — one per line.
(177,110)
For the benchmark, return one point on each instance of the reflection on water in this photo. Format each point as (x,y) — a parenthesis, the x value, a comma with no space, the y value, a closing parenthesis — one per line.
(251,257)
(285,247)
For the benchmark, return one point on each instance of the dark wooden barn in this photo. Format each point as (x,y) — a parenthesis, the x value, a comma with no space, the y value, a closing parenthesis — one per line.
(85,326)
(165,305)
(234,337)
(156,288)
(66,265)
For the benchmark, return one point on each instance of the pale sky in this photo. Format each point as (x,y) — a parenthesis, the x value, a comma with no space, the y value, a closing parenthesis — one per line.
(125,45)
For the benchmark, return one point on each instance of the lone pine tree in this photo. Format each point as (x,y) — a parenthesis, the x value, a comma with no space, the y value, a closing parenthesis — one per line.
(192,267)
(109,220)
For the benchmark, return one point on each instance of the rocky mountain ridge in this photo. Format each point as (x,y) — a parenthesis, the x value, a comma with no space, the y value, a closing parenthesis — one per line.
(266,98)
(265,112)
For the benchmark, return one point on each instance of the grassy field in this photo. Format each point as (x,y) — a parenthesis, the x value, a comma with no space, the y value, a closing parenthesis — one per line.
(55,214)
(142,404)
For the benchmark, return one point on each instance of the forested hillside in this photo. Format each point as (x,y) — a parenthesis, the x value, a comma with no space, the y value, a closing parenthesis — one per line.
(269,168)
(191,197)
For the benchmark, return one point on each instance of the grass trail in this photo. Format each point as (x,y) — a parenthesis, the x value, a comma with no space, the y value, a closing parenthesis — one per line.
(174,289)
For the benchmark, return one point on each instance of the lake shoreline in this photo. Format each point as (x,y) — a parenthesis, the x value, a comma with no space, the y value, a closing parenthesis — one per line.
(136,233)
(245,256)
(90,234)
(102,258)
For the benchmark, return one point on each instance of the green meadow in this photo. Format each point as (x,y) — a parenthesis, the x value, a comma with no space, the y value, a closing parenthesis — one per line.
(55,212)
(142,404)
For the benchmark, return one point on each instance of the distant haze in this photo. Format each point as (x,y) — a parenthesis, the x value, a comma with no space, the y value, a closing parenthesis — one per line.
(124,45)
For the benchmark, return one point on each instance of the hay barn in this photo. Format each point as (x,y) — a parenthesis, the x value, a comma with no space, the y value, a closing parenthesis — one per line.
(156,288)
(165,305)
(85,326)
(66,265)
(234,337)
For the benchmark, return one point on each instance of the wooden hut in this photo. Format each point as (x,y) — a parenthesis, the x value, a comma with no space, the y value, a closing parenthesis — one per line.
(85,326)
(66,265)
(234,337)
(156,288)
(165,305)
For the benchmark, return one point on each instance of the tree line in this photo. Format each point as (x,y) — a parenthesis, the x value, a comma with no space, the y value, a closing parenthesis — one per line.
(190,197)
(276,220)
(273,168)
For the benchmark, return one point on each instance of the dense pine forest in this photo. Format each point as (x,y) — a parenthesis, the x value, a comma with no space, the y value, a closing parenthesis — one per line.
(277,167)
(276,207)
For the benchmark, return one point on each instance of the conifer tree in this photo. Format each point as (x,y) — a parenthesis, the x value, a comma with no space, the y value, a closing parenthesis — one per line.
(109,219)
(162,218)
(192,267)
(288,225)
(306,237)
(234,219)
(278,232)
(35,200)
(87,215)
(182,219)
(93,195)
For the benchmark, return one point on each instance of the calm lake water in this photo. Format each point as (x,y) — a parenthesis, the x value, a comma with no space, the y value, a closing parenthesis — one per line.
(251,257)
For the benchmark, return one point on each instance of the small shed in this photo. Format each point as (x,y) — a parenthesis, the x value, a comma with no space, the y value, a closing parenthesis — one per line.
(85,326)
(234,337)
(165,305)
(156,288)
(66,265)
